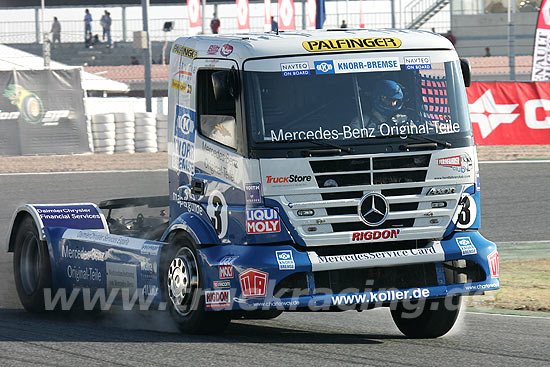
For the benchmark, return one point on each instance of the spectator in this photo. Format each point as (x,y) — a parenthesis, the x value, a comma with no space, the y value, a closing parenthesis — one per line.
(344,24)
(87,26)
(274,25)
(450,37)
(103,21)
(215,24)
(107,29)
(56,31)
(487,52)
(134,60)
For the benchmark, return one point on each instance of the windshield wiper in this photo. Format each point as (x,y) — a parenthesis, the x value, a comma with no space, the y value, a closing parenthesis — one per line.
(336,149)
(433,143)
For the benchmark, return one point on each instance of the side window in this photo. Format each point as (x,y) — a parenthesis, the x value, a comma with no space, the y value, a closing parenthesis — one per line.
(216,116)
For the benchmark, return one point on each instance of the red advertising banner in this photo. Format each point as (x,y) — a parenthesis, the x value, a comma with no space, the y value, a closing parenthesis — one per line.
(194,12)
(243,18)
(286,15)
(267,15)
(510,113)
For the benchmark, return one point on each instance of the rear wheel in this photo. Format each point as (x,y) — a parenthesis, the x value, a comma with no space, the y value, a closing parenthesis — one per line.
(431,318)
(183,287)
(31,265)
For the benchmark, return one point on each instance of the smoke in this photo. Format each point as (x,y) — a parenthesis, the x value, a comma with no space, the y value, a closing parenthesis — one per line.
(459,326)
(140,320)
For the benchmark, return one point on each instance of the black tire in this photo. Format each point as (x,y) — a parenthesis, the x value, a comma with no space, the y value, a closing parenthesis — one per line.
(31,265)
(432,318)
(183,289)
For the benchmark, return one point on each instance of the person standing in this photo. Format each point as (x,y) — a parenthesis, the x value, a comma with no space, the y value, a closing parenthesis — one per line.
(274,25)
(107,29)
(215,24)
(87,25)
(103,21)
(56,31)
(344,24)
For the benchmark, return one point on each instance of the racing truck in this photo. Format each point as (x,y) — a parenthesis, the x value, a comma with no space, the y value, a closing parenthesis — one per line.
(322,170)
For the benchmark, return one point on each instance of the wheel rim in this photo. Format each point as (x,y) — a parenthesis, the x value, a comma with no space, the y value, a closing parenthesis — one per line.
(29,266)
(183,280)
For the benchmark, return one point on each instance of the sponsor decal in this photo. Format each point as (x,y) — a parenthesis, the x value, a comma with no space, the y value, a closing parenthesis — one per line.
(184,87)
(184,51)
(183,152)
(481,286)
(213,49)
(121,276)
(441,190)
(332,259)
(375,235)
(150,290)
(417,62)
(217,299)
(31,107)
(226,50)
(264,220)
(466,246)
(253,283)
(288,179)
(285,260)
(347,132)
(222,284)
(366,65)
(82,254)
(225,271)
(450,161)
(88,274)
(107,239)
(324,67)
(461,164)
(351,44)
(295,68)
(253,193)
(228,260)
(380,296)
(183,72)
(492,258)
(70,216)
(150,249)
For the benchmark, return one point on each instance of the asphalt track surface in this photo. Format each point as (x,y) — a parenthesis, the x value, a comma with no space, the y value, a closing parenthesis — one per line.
(514,209)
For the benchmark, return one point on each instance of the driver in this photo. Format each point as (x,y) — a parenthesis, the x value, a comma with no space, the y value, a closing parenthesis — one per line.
(386,103)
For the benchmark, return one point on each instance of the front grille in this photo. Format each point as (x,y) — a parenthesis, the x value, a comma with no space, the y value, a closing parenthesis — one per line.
(343,181)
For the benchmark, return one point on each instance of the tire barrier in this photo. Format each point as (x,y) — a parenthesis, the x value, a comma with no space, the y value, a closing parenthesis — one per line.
(124,132)
(162,133)
(146,132)
(103,133)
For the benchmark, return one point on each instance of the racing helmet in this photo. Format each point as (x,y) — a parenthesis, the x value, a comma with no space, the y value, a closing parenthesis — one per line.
(388,98)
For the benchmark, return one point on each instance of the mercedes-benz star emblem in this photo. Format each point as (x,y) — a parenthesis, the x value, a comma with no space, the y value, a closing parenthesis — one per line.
(373,209)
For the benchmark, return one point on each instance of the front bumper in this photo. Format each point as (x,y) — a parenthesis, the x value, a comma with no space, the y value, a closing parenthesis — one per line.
(254,277)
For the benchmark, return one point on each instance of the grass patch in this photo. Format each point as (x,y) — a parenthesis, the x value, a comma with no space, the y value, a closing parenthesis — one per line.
(525,285)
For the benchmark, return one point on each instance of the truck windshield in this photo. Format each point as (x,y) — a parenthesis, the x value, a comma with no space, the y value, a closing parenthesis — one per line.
(341,99)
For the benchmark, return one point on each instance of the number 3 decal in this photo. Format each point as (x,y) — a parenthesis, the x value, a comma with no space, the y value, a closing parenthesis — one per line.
(466,217)
(217,211)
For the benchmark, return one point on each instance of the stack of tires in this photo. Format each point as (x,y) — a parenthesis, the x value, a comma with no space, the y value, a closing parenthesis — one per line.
(103,132)
(125,132)
(146,132)
(162,133)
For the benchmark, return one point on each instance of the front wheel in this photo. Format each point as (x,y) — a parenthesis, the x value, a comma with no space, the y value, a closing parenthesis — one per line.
(431,318)
(31,265)
(183,288)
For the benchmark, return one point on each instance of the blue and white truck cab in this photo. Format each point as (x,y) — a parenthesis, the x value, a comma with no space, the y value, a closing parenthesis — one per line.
(308,171)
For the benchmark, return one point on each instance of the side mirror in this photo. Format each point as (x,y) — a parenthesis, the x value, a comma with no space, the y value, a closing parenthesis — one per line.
(225,84)
(466,71)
